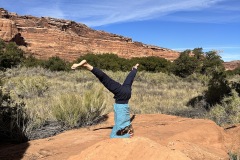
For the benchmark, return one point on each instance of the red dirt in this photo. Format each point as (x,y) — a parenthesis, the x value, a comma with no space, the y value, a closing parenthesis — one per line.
(157,136)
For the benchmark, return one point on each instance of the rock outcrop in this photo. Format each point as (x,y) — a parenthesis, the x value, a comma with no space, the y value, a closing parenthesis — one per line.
(232,65)
(46,37)
(139,148)
(156,137)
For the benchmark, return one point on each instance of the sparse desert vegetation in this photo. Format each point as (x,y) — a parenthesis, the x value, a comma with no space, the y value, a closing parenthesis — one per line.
(77,99)
(35,93)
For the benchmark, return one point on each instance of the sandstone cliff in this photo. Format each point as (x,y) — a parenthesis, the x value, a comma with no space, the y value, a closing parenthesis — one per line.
(232,65)
(46,37)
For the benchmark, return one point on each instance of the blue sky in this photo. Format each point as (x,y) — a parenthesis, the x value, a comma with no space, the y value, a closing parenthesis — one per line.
(173,24)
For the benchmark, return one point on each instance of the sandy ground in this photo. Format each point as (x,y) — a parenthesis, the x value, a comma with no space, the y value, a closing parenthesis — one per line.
(157,137)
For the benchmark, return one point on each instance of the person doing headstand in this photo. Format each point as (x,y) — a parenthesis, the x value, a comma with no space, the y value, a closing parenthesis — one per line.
(122,93)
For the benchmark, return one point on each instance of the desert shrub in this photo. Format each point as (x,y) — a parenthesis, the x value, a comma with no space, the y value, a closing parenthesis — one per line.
(218,114)
(114,63)
(75,111)
(38,111)
(156,78)
(212,62)
(104,61)
(164,93)
(234,72)
(30,72)
(52,63)
(68,109)
(228,111)
(56,64)
(234,155)
(236,86)
(2,45)
(94,103)
(152,93)
(110,62)
(10,55)
(185,65)
(218,87)
(197,61)
(41,89)
(27,87)
(31,61)
(152,64)
(13,119)
(21,90)
(198,54)
(197,77)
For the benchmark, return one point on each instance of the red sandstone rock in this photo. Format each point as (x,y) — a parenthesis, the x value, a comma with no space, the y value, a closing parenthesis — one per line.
(157,136)
(46,37)
(232,65)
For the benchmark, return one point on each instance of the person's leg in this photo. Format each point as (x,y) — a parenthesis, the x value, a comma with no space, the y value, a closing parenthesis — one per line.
(130,77)
(109,83)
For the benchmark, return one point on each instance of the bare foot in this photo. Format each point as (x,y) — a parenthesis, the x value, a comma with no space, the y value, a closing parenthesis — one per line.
(74,66)
(136,66)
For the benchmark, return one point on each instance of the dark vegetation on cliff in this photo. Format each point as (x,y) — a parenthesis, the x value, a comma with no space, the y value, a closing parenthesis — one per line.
(40,98)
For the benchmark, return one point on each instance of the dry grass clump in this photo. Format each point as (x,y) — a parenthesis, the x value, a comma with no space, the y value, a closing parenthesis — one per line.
(152,92)
(27,87)
(228,112)
(170,97)
(165,93)
(70,98)
(74,110)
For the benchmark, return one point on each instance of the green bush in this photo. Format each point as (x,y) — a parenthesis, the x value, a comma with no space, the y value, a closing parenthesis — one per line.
(2,45)
(115,63)
(104,61)
(236,86)
(152,64)
(235,71)
(218,87)
(53,63)
(196,61)
(10,55)
(198,54)
(212,62)
(185,64)
(56,64)
(31,61)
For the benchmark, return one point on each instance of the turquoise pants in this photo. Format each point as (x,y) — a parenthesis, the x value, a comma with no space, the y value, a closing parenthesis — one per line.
(121,120)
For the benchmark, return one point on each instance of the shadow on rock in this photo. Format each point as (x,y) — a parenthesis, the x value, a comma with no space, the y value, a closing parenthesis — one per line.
(11,151)
(105,117)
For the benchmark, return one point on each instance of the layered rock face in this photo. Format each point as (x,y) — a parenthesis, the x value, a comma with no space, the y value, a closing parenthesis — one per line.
(232,65)
(46,37)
